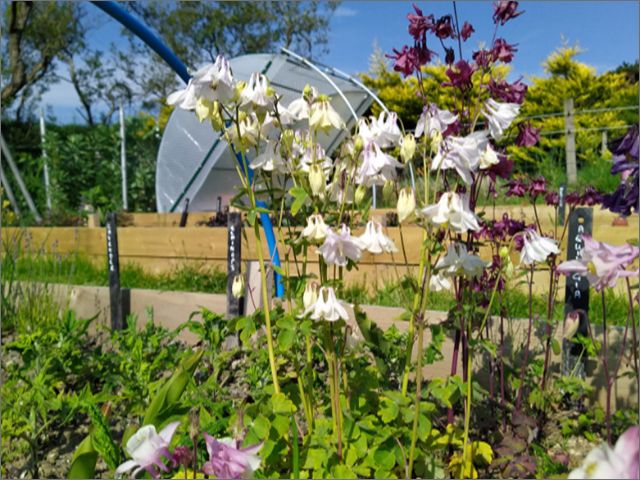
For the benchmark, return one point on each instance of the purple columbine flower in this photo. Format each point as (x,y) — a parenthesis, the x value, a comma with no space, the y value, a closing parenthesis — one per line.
(505,10)
(516,188)
(460,76)
(552,198)
(508,92)
(419,24)
(503,51)
(228,461)
(574,199)
(625,199)
(502,169)
(591,197)
(403,60)
(538,187)
(482,58)
(466,31)
(443,28)
(527,135)
(602,263)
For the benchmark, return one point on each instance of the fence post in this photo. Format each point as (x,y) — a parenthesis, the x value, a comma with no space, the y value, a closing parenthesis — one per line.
(119,298)
(603,145)
(234,259)
(570,141)
(576,292)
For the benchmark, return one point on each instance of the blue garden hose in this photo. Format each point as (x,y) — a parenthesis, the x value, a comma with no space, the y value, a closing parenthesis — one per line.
(151,39)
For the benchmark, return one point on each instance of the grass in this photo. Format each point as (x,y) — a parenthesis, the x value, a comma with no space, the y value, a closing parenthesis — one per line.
(79,270)
(517,302)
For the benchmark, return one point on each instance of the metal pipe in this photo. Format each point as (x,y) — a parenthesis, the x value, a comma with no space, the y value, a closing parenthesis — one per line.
(9,191)
(45,158)
(123,160)
(20,182)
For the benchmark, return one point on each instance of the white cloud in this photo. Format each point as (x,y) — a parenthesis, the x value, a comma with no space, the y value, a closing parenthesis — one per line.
(345,12)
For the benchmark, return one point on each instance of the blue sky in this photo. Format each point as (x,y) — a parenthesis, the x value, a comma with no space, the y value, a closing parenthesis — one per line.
(607,31)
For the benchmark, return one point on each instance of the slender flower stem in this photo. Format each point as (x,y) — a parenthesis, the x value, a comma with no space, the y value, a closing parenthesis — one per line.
(605,364)
(265,304)
(523,368)
(414,429)
(634,346)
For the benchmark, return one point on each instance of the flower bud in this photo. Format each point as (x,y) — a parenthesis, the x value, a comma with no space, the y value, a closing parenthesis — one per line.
(310,295)
(204,108)
(504,252)
(361,192)
(217,122)
(317,182)
(406,204)
(242,116)
(237,289)
(307,92)
(389,191)
(407,147)
(288,136)
(358,145)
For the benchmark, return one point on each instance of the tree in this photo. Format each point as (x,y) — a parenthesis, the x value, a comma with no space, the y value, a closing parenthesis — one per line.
(199,31)
(35,35)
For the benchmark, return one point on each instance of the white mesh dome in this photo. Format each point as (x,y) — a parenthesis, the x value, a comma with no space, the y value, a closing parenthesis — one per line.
(193,163)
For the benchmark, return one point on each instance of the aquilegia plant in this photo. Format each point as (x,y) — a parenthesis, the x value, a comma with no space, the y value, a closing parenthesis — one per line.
(460,156)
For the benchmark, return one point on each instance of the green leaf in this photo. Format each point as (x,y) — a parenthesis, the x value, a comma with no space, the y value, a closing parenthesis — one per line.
(101,436)
(385,459)
(389,411)
(555,346)
(286,339)
(281,404)
(482,453)
(83,464)
(261,427)
(315,459)
(300,196)
(167,399)
(251,217)
(343,472)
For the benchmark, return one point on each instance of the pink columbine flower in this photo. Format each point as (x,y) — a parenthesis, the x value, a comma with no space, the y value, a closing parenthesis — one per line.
(146,448)
(228,461)
(602,263)
(619,462)
(337,247)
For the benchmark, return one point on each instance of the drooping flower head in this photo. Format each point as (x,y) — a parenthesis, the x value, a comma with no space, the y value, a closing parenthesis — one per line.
(458,261)
(373,240)
(323,116)
(227,460)
(527,135)
(507,92)
(338,247)
(536,248)
(505,10)
(327,307)
(452,210)
(147,448)
(499,116)
(618,462)
(601,263)
(211,81)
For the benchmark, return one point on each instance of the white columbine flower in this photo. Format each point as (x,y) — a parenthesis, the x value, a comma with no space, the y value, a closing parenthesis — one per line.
(374,240)
(316,229)
(407,147)
(256,92)
(377,167)
(327,307)
(322,116)
(439,282)
(406,204)
(434,120)
(146,448)
(270,159)
(621,461)
(458,262)
(310,295)
(536,247)
(488,158)
(337,247)
(452,210)
(237,289)
(499,116)
(462,154)
(212,81)
(314,155)
(384,130)
(249,131)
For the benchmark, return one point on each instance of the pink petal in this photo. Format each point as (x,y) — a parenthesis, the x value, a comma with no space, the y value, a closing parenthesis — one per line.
(167,432)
